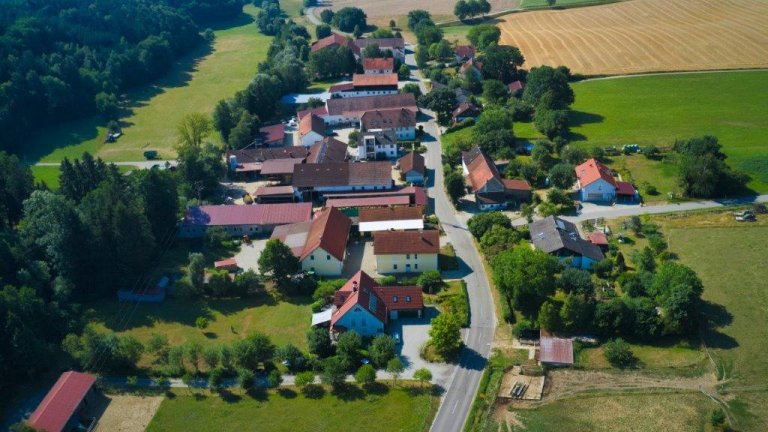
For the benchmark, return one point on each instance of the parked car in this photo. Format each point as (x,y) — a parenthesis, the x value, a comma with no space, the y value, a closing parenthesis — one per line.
(747,217)
(743,213)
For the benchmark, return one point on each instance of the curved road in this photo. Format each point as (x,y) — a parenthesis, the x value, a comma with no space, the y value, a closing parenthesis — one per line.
(478,338)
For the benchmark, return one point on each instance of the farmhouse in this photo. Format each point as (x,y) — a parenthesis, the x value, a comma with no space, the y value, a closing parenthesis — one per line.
(379,65)
(320,244)
(238,220)
(596,184)
(377,145)
(391,218)
(350,110)
(311,130)
(560,238)
(364,306)
(251,161)
(401,121)
(412,168)
(63,408)
(327,150)
(464,111)
(483,180)
(394,45)
(366,85)
(462,53)
(473,66)
(335,40)
(556,351)
(406,251)
(343,177)
(272,136)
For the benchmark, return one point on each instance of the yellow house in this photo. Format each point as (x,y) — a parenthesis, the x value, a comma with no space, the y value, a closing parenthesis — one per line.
(406,251)
(320,244)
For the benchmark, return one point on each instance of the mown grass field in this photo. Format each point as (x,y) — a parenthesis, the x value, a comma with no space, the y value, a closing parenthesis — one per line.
(731,263)
(50,174)
(195,84)
(660,109)
(680,355)
(669,412)
(398,409)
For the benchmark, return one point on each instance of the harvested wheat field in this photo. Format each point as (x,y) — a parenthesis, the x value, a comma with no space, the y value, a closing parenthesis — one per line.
(644,36)
(391,8)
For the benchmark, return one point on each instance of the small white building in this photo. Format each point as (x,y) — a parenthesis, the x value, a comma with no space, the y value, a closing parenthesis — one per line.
(400,121)
(373,219)
(375,144)
(311,130)
(597,184)
(412,168)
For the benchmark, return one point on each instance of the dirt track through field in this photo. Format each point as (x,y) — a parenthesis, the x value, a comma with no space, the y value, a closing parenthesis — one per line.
(392,8)
(644,36)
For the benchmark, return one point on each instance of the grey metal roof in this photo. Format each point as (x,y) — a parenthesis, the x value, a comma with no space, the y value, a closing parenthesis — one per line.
(552,234)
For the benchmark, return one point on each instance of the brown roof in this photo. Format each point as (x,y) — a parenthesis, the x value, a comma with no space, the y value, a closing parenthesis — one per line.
(273,133)
(598,238)
(465,51)
(406,242)
(374,80)
(273,190)
(515,86)
(556,350)
(514,184)
(470,64)
(481,169)
(400,297)
(388,119)
(348,86)
(310,123)
(320,111)
(378,63)
(377,201)
(329,231)
(257,214)
(464,108)
(359,289)
(279,166)
(328,150)
(333,39)
(359,105)
(263,154)
(412,162)
(343,174)
(390,213)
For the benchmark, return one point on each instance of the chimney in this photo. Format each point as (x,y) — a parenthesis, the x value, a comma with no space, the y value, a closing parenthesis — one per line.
(354,286)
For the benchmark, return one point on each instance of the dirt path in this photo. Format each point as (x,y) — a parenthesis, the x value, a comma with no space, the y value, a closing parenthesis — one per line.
(127,413)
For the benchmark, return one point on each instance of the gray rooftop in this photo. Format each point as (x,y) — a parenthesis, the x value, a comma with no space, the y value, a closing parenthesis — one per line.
(552,234)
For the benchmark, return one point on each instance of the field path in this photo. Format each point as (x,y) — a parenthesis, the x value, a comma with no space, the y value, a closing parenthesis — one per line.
(639,36)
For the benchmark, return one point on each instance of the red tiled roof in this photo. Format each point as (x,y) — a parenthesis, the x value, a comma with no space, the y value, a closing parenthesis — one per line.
(514,184)
(256,214)
(624,188)
(225,264)
(412,162)
(273,133)
(481,169)
(328,150)
(378,64)
(377,173)
(390,213)
(465,51)
(359,105)
(61,402)
(310,123)
(401,297)
(556,350)
(273,190)
(318,111)
(388,119)
(515,86)
(417,193)
(329,231)
(598,238)
(465,107)
(469,64)
(592,171)
(263,154)
(279,166)
(405,242)
(374,80)
(368,202)
(333,39)
(341,87)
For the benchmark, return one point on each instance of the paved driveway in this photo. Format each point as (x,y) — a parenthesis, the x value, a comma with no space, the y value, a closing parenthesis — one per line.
(248,257)
(414,333)
(360,257)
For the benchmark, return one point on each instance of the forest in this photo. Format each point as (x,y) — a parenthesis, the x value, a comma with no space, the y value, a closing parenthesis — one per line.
(65,59)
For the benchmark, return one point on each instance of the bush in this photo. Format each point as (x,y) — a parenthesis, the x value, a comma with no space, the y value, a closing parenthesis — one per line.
(522,326)
(201,322)
(618,353)
(431,281)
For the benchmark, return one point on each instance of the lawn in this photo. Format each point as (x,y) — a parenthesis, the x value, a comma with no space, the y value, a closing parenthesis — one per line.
(453,298)
(50,174)
(731,263)
(678,356)
(622,412)
(660,109)
(397,409)
(195,84)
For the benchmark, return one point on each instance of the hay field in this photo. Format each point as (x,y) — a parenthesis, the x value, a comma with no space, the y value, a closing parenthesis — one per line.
(644,36)
(440,9)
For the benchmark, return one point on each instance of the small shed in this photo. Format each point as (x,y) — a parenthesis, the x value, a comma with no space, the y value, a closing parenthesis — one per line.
(63,408)
(229,264)
(556,351)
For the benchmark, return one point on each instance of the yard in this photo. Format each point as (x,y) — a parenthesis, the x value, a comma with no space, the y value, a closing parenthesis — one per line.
(195,84)
(398,409)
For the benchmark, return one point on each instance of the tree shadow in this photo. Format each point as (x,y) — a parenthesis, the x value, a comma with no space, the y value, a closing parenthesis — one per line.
(579,118)
(348,392)
(210,335)
(258,393)
(376,388)
(229,397)
(287,393)
(238,21)
(471,359)
(313,391)
(199,396)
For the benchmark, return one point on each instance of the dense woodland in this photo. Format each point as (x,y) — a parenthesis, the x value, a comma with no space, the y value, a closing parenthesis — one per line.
(64,59)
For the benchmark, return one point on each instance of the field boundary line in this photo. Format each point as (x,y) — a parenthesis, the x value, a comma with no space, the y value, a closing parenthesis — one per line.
(663,73)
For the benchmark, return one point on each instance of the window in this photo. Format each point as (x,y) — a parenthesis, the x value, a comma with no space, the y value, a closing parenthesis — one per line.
(407,256)
(416,266)
(394,267)
(312,257)
(415,256)
(408,298)
(394,299)
(327,257)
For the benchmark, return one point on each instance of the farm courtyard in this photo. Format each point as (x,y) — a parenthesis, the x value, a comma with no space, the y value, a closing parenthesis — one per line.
(643,36)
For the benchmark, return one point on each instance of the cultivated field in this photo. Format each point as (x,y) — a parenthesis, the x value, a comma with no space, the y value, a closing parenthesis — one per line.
(395,409)
(391,8)
(195,84)
(644,35)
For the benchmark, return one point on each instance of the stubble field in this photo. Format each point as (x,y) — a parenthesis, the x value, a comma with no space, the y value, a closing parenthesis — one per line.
(644,36)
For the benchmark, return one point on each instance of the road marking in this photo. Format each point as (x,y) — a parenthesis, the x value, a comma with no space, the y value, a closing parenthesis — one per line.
(455,404)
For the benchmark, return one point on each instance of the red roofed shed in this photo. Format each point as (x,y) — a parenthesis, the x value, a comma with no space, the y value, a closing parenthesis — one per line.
(556,351)
(61,407)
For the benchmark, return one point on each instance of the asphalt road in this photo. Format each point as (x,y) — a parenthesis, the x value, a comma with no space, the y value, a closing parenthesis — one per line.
(462,386)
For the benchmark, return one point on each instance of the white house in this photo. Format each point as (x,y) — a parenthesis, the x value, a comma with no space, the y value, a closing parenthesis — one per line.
(400,121)
(366,85)
(311,130)
(379,65)
(375,144)
(596,183)
(412,168)
(340,111)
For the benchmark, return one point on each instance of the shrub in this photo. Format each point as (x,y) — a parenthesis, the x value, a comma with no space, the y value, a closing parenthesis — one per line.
(430,281)
(618,353)
(201,322)
(521,326)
